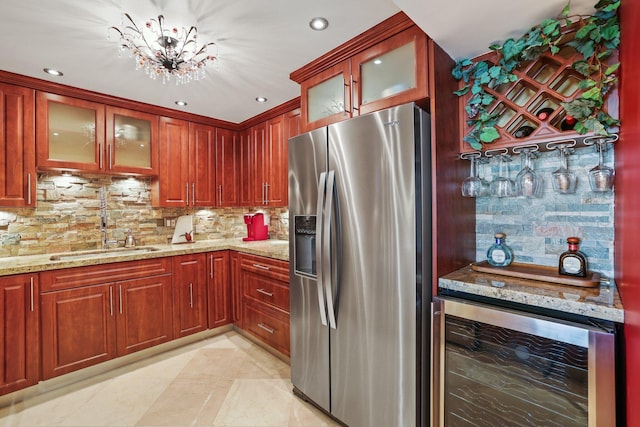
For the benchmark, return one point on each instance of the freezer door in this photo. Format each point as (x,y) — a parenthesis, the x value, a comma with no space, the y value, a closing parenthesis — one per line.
(309,337)
(374,346)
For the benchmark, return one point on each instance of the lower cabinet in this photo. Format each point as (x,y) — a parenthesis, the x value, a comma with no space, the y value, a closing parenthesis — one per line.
(189,294)
(236,289)
(19,331)
(265,286)
(218,289)
(86,319)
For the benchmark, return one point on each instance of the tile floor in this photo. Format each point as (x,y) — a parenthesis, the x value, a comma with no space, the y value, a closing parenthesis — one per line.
(222,381)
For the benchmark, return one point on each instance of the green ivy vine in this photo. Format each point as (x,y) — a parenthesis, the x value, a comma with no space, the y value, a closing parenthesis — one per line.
(597,38)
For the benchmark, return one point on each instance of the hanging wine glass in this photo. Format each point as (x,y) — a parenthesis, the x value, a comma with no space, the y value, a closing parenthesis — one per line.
(502,186)
(528,182)
(472,185)
(564,181)
(483,162)
(601,176)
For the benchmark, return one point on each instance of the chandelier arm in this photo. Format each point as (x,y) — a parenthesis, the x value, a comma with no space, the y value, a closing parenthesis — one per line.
(186,39)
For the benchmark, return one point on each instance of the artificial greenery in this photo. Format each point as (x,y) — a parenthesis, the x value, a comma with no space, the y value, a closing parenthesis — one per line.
(597,38)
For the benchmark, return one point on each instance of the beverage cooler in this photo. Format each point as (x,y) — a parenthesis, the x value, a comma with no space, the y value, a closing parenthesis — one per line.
(497,366)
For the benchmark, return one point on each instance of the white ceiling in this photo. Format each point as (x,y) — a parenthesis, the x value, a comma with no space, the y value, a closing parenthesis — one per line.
(260,42)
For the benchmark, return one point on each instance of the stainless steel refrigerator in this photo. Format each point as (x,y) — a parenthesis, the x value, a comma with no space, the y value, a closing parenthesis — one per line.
(360,257)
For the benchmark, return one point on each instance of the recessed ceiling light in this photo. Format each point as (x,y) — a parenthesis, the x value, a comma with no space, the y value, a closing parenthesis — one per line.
(318,23)
(261,99)
(53,72)
(377,61)
(181,103)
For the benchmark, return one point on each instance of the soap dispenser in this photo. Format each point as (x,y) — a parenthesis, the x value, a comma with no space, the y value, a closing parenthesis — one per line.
(129,241)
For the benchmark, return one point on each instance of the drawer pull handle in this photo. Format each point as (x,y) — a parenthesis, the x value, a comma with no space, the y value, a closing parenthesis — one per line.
(262,267)
(263,292)
(266,328)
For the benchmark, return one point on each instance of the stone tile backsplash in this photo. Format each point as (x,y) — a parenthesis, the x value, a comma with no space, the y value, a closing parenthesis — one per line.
(67,217)
(537,228)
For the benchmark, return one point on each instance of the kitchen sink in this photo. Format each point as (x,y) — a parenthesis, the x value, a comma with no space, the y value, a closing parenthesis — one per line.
(69,256)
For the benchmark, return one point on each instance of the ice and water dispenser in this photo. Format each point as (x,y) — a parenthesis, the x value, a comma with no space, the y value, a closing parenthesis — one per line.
(305,245)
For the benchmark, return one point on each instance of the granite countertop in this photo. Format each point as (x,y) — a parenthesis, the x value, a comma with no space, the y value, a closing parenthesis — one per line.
(601,302)
(278,249)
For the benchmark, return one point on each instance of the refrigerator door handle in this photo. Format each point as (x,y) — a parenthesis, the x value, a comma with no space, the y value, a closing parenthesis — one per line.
(326,238)
(319,224)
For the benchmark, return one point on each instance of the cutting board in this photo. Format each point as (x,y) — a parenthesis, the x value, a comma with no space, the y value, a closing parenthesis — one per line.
(184,224)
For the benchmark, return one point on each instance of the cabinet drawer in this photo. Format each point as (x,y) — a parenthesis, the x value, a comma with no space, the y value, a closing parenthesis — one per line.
(105,273)
(267,326)
(267,290)
(267,267)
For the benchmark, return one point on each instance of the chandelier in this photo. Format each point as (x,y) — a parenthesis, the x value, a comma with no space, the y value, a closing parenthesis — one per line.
(165,52)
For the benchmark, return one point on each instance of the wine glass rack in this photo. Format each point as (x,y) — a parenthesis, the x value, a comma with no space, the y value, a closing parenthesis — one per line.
(542,84)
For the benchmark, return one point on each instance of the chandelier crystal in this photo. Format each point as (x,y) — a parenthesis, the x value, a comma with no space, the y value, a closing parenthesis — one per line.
(165,52)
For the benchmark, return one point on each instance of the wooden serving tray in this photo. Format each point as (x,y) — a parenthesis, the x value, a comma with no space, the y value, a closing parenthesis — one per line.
(538,272)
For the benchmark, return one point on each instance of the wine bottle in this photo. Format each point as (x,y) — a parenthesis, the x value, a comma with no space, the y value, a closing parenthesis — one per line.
(523,131)
(568,122)
(544,113)
(573,262)
(499,254)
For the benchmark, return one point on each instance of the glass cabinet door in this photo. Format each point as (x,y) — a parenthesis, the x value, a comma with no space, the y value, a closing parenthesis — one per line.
(131,141)
(391,73)
(69,133)
(326,97)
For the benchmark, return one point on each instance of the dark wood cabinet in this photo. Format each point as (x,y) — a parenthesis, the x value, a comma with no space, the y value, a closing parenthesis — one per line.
(265,299)
(235,281)
(78,329)
(189,294)
(381,68)
(172,187)
(19,329)
(80,135)
(219,289)
(202,165)
(227,168)
(145,313)
(93,314)
(17,147)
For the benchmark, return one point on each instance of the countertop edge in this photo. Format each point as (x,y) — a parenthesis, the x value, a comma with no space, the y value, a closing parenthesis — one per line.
(276,249)
(521,296)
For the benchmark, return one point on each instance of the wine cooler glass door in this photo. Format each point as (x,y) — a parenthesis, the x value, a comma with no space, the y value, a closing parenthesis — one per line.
(499,367)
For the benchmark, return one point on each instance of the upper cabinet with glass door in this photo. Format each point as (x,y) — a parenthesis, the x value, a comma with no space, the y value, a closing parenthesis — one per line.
(387,73)
(70,135)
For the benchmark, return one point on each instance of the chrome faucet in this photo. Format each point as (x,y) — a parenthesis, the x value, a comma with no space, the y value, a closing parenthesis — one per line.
(106,243)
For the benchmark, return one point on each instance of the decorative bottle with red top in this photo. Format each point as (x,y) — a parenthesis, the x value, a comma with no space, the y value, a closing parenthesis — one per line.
(573,262)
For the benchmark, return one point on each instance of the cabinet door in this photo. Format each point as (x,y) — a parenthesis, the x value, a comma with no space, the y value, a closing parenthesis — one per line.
(325,97)
(259,151)
(69,133)
(189,295)
(78,329)
(246,158)
(132,142)
(17,147)
(391,73)
(291,124)
(19,332)
(227,168)
(172,189)
(144,316)
(236,289)
(218,289)
(277,168)
(202,161)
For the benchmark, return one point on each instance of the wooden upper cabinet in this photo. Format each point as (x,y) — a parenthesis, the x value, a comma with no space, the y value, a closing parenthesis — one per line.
(172,187)
(69,133)
(382,67)
(202,162)
(292,124)
(276,172)
(132,142)
(245,162)
(80,135)
(227,168)
(17,147)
